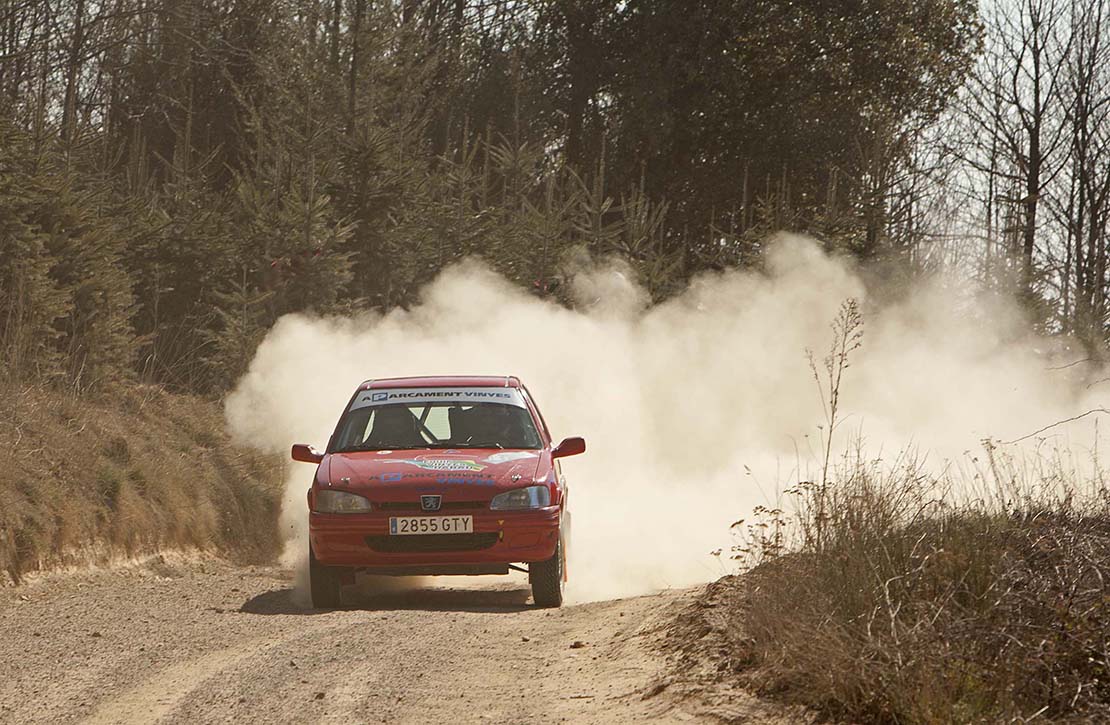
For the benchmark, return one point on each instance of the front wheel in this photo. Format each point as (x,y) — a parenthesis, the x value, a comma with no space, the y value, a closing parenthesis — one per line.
(324,584)
(546,578)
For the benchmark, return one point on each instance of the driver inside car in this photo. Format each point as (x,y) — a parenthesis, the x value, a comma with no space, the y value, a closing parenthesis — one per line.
(394,427)
(492,425)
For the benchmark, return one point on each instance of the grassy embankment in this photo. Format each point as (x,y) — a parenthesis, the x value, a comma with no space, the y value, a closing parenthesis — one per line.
(128,473)
(896,604)
(884,594)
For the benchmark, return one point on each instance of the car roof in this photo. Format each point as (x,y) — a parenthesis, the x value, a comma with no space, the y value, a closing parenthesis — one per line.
(445,381)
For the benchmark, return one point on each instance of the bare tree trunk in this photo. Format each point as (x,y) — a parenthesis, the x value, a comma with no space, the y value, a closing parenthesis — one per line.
(408,11)
(336,15)
(73,69)
(1032,197)
(582,64)
(352,76)
(1020,111)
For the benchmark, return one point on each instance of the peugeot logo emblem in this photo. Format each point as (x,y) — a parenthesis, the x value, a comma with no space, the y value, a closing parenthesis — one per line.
(430,503)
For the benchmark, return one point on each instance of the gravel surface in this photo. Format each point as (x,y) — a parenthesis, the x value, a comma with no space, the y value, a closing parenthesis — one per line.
(188,641)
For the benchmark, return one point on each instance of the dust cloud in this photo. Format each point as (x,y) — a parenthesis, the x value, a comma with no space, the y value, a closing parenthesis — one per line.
(694,410)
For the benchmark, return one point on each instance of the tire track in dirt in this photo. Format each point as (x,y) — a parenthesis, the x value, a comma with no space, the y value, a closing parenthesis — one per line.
(159,695)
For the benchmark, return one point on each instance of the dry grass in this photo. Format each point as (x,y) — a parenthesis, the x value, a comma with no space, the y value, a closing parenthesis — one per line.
(134,471)
(888,597)
(883,594)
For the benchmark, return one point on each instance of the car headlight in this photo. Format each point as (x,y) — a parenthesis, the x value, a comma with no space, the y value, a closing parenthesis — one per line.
(533,497)
(340,502)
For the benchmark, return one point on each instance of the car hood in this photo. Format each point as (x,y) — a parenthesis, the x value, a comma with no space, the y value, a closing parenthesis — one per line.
(475,474)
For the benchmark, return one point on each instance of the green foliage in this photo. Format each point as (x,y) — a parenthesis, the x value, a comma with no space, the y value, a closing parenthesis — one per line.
(66,298)
(33,302)
(216,164)
(88,245)
(721,106)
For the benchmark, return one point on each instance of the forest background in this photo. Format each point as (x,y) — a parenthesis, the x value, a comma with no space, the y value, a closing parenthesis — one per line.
(175,175)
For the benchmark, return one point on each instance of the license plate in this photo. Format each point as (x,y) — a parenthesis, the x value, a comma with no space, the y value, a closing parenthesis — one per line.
(406,525)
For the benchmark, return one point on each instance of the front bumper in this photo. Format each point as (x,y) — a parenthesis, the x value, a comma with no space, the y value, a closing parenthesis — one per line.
(500,537)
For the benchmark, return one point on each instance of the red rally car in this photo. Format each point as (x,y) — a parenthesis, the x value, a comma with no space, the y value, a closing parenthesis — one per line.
(445,475)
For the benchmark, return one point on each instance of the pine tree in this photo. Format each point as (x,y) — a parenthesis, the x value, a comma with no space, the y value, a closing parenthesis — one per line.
(66,298)
(32,302)
(88,245)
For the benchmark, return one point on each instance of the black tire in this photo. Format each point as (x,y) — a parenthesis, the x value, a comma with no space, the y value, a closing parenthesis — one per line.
(546,578)
(324,583)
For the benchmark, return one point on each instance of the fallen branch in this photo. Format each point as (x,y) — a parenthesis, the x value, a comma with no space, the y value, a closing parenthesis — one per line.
(1072,364)
(1057,423)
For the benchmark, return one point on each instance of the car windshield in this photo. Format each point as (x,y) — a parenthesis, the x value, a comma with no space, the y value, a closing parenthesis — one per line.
(436,424)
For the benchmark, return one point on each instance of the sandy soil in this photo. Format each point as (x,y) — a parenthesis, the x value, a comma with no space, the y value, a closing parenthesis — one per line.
(203,641)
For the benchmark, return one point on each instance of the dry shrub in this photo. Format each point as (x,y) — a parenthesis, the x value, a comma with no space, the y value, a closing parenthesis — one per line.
(130,472)
(886,597)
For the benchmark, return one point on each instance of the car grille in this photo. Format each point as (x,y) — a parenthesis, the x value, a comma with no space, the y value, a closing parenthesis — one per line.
(445,506)
(431,542)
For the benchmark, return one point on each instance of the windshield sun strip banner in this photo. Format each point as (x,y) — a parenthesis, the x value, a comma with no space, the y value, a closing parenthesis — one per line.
(420,396)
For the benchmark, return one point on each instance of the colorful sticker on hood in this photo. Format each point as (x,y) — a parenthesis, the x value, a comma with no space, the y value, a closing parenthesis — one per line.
(443,464)
(506,456)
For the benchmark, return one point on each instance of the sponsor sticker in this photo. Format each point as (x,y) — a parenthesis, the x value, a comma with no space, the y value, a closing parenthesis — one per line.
(461,478)
(506,456)
(443,464)
(417,396)
(466,479)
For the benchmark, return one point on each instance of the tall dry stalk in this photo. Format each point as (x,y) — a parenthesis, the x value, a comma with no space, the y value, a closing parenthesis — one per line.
(847,329)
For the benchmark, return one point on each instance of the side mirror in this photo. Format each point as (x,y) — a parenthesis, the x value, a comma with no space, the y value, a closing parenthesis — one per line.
(569,447)
(306,453)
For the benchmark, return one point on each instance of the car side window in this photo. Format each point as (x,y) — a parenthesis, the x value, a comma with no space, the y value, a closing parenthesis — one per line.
(364,431)
(361,432)
(543,423)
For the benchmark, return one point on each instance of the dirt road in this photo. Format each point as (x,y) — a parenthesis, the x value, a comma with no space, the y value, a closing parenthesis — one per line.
(188,642)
